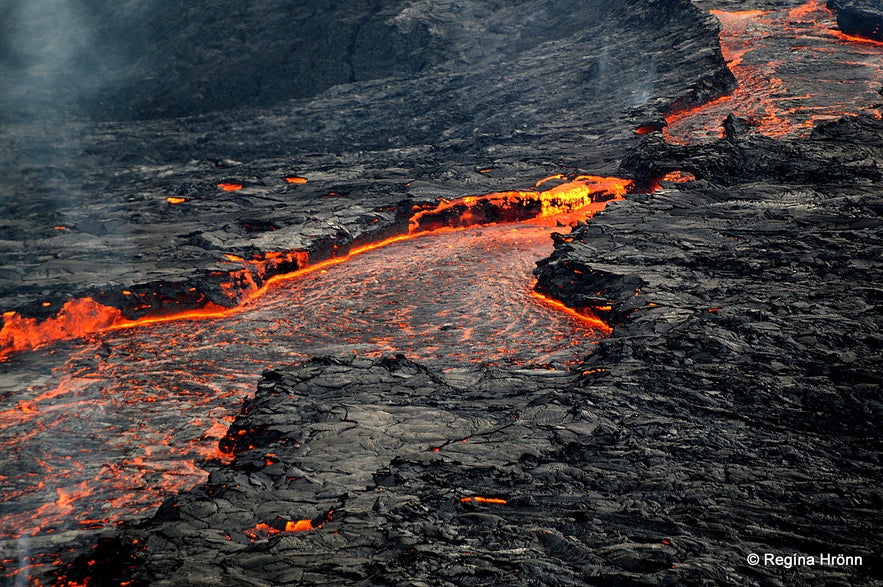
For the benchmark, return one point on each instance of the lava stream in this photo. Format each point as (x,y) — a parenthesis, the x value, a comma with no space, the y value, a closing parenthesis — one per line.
(826,76)
(126,416)
(566,201)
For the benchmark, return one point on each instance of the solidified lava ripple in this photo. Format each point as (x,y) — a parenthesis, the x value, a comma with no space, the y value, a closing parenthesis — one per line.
(124,417)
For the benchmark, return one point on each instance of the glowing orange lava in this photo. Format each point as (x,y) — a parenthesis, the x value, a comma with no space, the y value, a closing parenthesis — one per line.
(577,194)
(175,200)
(679,177)
(852,39)
(300,526)
(296,179)
(646,129)
(584,195)
(230,187)
(262,531)
(584,314)
(778,97)
(76,318)
(478,499)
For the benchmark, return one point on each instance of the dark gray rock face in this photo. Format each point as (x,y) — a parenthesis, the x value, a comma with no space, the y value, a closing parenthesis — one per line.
(752,300)
(166,59)
(860,18)
(735,409)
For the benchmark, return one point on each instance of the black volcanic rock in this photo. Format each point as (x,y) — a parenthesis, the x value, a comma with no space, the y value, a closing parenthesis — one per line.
(171,60)
(756,298)
(735,409)
(840,151)
(646,472)
(860,18)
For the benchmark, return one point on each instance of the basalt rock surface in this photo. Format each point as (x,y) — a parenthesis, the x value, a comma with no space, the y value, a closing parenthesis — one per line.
(755,301)
(861,18)
(658,466)
(735,409)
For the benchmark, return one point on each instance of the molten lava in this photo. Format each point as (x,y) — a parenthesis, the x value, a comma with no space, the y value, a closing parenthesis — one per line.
(518,206)
(678,177)
(854,39)
(780,97)
(584,314)
(124,419)
(582,196)
(127,416)
(76,318)
(478,499)
(262,531)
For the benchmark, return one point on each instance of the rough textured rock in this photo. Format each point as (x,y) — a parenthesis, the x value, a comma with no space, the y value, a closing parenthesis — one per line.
(726,415)
(735,409)
(265,53)
(861,18)
(648,470)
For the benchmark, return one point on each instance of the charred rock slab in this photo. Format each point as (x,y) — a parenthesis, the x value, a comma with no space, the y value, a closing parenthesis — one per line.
(860,18)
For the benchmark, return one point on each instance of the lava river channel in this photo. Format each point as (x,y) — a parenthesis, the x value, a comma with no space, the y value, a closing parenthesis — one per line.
(125,417)
(827,75)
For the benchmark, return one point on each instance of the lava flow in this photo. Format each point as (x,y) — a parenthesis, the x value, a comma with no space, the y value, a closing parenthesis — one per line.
(826,76)
(127,415)
(578,198)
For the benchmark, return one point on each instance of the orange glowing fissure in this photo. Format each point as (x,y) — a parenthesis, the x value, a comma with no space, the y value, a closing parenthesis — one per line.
(80,317)
(263,530)
(853,39)
(584,315)
(290,526)
(479,499)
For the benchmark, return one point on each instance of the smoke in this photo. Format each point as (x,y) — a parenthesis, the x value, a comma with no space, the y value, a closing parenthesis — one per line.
(55,55)
(22,578)
(633,74)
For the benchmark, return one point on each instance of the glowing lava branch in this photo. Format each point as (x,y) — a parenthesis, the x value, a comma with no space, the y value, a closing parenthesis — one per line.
(772,94)
(80,317)
(516,206)
(853,39)
(75,319)
(479,499)
(585,315)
